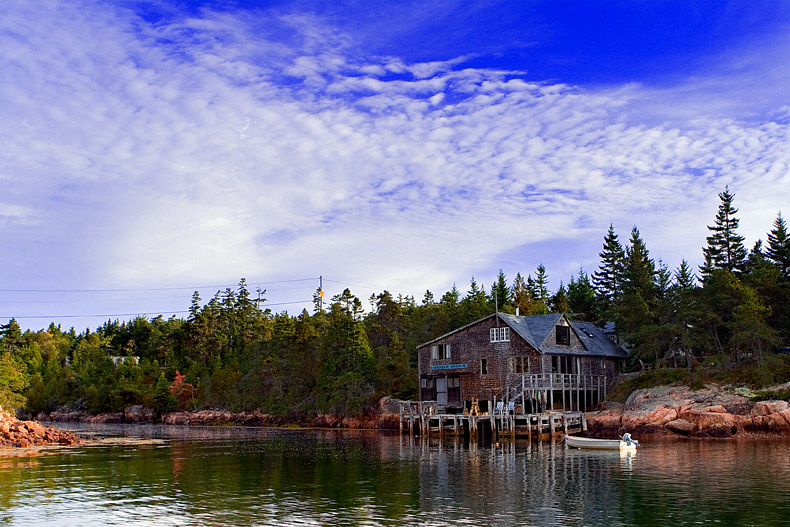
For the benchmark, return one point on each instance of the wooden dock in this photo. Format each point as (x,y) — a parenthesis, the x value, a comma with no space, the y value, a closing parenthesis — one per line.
(424,418)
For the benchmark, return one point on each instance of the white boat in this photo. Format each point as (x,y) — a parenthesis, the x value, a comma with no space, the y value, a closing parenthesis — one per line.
(626,443)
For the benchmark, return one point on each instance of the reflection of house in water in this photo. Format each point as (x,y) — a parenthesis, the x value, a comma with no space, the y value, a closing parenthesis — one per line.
(537,363)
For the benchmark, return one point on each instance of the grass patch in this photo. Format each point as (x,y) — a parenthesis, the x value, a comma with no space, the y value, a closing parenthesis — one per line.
(771,395)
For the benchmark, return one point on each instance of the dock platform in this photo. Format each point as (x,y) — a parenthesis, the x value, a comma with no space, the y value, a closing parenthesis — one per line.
(425,419)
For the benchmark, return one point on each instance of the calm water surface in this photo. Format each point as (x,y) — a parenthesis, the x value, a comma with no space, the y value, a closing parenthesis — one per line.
(239,477)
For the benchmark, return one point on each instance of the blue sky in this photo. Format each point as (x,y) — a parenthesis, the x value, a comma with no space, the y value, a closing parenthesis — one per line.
(155,148)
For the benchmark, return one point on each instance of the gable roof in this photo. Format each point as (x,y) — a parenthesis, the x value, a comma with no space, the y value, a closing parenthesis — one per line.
(536,329)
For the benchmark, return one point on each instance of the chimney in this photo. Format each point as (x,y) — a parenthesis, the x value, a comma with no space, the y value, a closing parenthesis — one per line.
(516,310)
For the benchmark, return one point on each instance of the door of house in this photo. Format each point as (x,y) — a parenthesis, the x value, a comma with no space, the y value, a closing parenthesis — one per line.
(441,390)
(454,390)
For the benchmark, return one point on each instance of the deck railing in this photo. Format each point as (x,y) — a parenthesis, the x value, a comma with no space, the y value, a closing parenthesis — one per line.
(521,386)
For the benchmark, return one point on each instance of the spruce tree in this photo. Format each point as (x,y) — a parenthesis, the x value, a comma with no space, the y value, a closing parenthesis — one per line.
(725,248)
(475,304)
(639,271)
(581,298)
(559,301)
(608,279)
(502,293)
(778,250)
(635,309)
(684,276)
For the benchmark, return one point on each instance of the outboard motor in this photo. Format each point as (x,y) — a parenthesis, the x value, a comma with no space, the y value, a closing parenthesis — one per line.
(627,438)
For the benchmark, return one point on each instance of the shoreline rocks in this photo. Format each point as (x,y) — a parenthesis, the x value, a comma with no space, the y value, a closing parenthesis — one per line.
(710,412)
(384,417)
(665,410)
(23,434)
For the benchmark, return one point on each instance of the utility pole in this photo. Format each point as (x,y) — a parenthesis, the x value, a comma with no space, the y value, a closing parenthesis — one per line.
(321,292)
(258,300)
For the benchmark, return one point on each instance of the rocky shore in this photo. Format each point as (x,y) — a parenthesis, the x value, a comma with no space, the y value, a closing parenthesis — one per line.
(676,410)
(385,417)
(16,433)
(664,410)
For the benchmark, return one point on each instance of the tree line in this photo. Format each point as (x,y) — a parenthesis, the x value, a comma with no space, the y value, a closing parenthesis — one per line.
(230,352)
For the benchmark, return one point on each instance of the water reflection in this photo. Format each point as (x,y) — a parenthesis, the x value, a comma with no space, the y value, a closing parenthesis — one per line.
(280,477)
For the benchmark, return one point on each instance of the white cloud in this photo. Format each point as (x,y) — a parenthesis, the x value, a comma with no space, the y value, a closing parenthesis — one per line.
(201,150)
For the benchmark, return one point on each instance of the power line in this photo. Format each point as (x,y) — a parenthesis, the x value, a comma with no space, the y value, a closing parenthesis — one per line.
(126,299)
(139,314)
(83,301)
(366,287)
(131,289)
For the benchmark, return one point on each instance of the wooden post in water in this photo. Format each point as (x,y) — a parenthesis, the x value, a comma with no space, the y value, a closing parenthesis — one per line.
(563,386)
(584,380)
(529,427)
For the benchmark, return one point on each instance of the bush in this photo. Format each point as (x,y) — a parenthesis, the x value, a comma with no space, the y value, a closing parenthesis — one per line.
(648,379)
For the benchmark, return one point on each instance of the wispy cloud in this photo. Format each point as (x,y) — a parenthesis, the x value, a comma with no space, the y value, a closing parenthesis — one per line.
(220,145)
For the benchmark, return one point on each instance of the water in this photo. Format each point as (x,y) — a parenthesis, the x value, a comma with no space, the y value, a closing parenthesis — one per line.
(239,477)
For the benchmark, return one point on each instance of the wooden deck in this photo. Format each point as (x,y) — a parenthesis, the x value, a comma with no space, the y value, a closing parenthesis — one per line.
(424,418)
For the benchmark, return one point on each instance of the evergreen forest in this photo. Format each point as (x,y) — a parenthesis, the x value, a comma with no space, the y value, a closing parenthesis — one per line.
(234,353)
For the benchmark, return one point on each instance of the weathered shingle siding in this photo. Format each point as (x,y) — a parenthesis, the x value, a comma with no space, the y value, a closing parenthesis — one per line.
(469,346)
(472,343)
(551,341)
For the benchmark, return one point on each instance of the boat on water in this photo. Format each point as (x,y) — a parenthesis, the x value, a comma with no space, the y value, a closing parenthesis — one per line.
(624,443)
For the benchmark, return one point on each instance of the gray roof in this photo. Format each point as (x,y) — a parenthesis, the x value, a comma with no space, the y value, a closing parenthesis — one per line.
(533,329)
(596,341)
(536,329)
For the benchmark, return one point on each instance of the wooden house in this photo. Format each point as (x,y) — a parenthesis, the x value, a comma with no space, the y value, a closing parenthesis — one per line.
(532,364)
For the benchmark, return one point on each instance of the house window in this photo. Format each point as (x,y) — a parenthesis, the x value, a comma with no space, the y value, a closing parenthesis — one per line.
(426,389)
(483,366)
(518,365)
(564,364)
(563,335)
(440,351)
(500,334)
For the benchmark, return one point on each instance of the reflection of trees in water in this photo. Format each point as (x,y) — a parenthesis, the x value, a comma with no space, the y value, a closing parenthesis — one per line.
(732,483)
(253,477)
(538,484)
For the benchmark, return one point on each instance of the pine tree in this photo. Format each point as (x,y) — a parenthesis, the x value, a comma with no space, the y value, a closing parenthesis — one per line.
(778,250)
(725,248)
(756,259)
(475,304)
(542,285)
(581,298)
(635,309)
(608,279)
(684,277)
(501,292)
(194,307)
(10,335)
(686,314)
(559,301)
(427,300)
(639,271)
